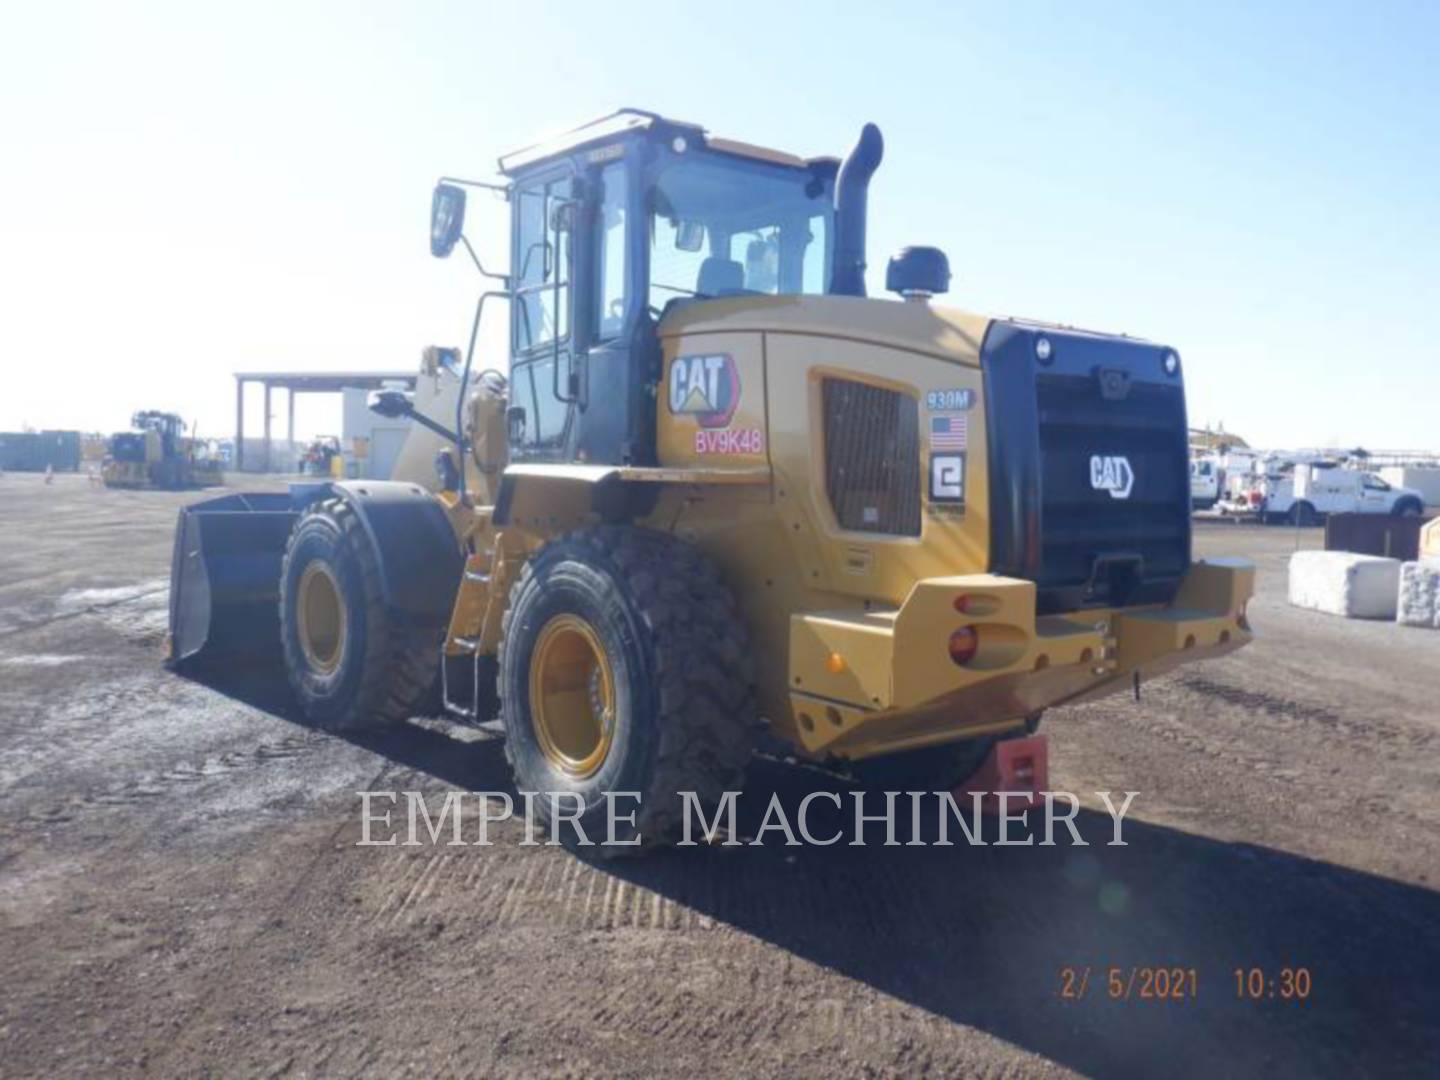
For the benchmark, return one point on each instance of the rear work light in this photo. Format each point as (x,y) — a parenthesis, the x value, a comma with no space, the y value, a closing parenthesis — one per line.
(963,644)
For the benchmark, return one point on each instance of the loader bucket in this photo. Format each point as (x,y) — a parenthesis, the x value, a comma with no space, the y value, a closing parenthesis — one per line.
(225,575)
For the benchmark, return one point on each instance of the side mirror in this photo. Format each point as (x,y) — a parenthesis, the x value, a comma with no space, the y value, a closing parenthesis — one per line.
(391,404)
(447,218)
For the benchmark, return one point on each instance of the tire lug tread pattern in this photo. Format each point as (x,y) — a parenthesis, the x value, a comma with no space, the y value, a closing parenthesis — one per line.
(401,658)
(700,659)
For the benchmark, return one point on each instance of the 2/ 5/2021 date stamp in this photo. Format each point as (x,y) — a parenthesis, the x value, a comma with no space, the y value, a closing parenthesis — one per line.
(1178,983)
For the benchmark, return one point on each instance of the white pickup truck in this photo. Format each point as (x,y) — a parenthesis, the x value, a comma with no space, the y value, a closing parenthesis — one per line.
(1307,493)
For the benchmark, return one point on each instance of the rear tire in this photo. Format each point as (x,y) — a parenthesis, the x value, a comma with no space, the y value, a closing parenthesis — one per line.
(625,667)
(354,665)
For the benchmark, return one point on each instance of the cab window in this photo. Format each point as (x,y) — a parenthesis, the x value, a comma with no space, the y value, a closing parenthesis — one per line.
(540,323)
(723,226)
(542,262)
(610,254)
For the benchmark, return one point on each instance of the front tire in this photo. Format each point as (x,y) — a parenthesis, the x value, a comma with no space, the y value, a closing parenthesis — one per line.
(1408,508)
(1302,514)
(625,667)
(354,665)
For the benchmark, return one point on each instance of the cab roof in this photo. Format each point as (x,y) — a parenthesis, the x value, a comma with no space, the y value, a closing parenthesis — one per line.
(625,120)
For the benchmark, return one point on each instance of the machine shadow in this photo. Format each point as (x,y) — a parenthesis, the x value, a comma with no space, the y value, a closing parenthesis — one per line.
(991,936)
(472,765)
(984,935)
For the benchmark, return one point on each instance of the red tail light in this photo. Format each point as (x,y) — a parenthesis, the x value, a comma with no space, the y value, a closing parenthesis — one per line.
(963,643)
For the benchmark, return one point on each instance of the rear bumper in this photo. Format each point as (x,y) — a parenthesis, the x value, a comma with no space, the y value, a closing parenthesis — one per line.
(863,684)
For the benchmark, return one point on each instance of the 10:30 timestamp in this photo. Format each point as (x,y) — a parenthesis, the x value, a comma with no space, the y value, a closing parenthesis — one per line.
(1284,984)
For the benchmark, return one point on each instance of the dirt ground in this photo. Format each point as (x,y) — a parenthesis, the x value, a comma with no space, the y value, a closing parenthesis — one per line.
(181,891)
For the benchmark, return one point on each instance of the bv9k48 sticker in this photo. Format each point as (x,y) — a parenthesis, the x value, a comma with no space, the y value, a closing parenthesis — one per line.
(730,441)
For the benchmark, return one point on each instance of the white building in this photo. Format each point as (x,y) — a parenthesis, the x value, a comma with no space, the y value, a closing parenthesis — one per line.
(371,443)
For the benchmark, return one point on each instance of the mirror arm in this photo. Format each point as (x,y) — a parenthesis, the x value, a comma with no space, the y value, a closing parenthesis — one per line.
(503,190)
(504,279)
(439,429)
(500,189)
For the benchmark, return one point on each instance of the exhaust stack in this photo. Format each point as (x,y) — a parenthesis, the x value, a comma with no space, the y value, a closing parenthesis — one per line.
(851,189)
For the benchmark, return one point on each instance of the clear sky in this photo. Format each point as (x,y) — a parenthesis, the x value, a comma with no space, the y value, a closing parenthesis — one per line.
(194,189)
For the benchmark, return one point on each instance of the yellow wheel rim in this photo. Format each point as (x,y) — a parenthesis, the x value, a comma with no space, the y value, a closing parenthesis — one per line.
(320,617)
(572,696)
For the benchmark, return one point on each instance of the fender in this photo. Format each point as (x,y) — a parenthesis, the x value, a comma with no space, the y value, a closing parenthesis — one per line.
(568,495)
(415,546)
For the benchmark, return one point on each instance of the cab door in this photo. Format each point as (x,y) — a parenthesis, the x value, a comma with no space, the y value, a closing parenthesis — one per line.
(542,324)
(1374,494)
(617,346)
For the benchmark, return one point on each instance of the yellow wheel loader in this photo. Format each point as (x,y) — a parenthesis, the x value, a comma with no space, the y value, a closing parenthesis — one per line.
(156,454)
(720,495)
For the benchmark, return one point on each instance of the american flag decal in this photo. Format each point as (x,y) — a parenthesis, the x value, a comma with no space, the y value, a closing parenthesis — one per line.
(948,432)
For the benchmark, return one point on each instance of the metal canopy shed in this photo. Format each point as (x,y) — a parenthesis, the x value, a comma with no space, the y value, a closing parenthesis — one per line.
(302,382)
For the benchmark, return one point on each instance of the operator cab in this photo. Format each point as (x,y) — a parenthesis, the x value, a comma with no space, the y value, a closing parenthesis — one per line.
(613,223)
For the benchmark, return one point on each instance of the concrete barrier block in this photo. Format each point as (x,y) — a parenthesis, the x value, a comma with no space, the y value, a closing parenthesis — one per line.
(1342,583)
(1418,602)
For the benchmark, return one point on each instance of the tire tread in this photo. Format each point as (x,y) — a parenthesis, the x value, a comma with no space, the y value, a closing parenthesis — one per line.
(401,657)
(701,660)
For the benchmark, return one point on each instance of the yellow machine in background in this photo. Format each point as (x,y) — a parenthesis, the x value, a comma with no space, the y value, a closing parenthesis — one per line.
(156,454)
(323,457)
(722,495)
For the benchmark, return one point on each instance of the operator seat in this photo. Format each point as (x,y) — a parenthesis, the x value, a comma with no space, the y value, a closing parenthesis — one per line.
(720,277)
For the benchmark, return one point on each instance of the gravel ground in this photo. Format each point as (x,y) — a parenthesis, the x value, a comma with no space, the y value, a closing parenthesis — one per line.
(181,891)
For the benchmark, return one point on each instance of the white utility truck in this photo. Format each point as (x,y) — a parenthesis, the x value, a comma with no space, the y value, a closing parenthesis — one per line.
(1309,491)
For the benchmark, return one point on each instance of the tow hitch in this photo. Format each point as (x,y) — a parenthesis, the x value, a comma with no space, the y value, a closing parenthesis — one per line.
(1018,767)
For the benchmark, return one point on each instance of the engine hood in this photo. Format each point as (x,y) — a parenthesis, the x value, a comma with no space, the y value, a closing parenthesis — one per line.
(925,328)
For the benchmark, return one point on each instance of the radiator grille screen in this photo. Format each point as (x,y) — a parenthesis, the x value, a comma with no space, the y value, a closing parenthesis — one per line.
(872,457)
(1080,524)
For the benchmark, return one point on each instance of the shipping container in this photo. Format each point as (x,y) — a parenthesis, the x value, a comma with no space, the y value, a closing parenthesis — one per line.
(33,451)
